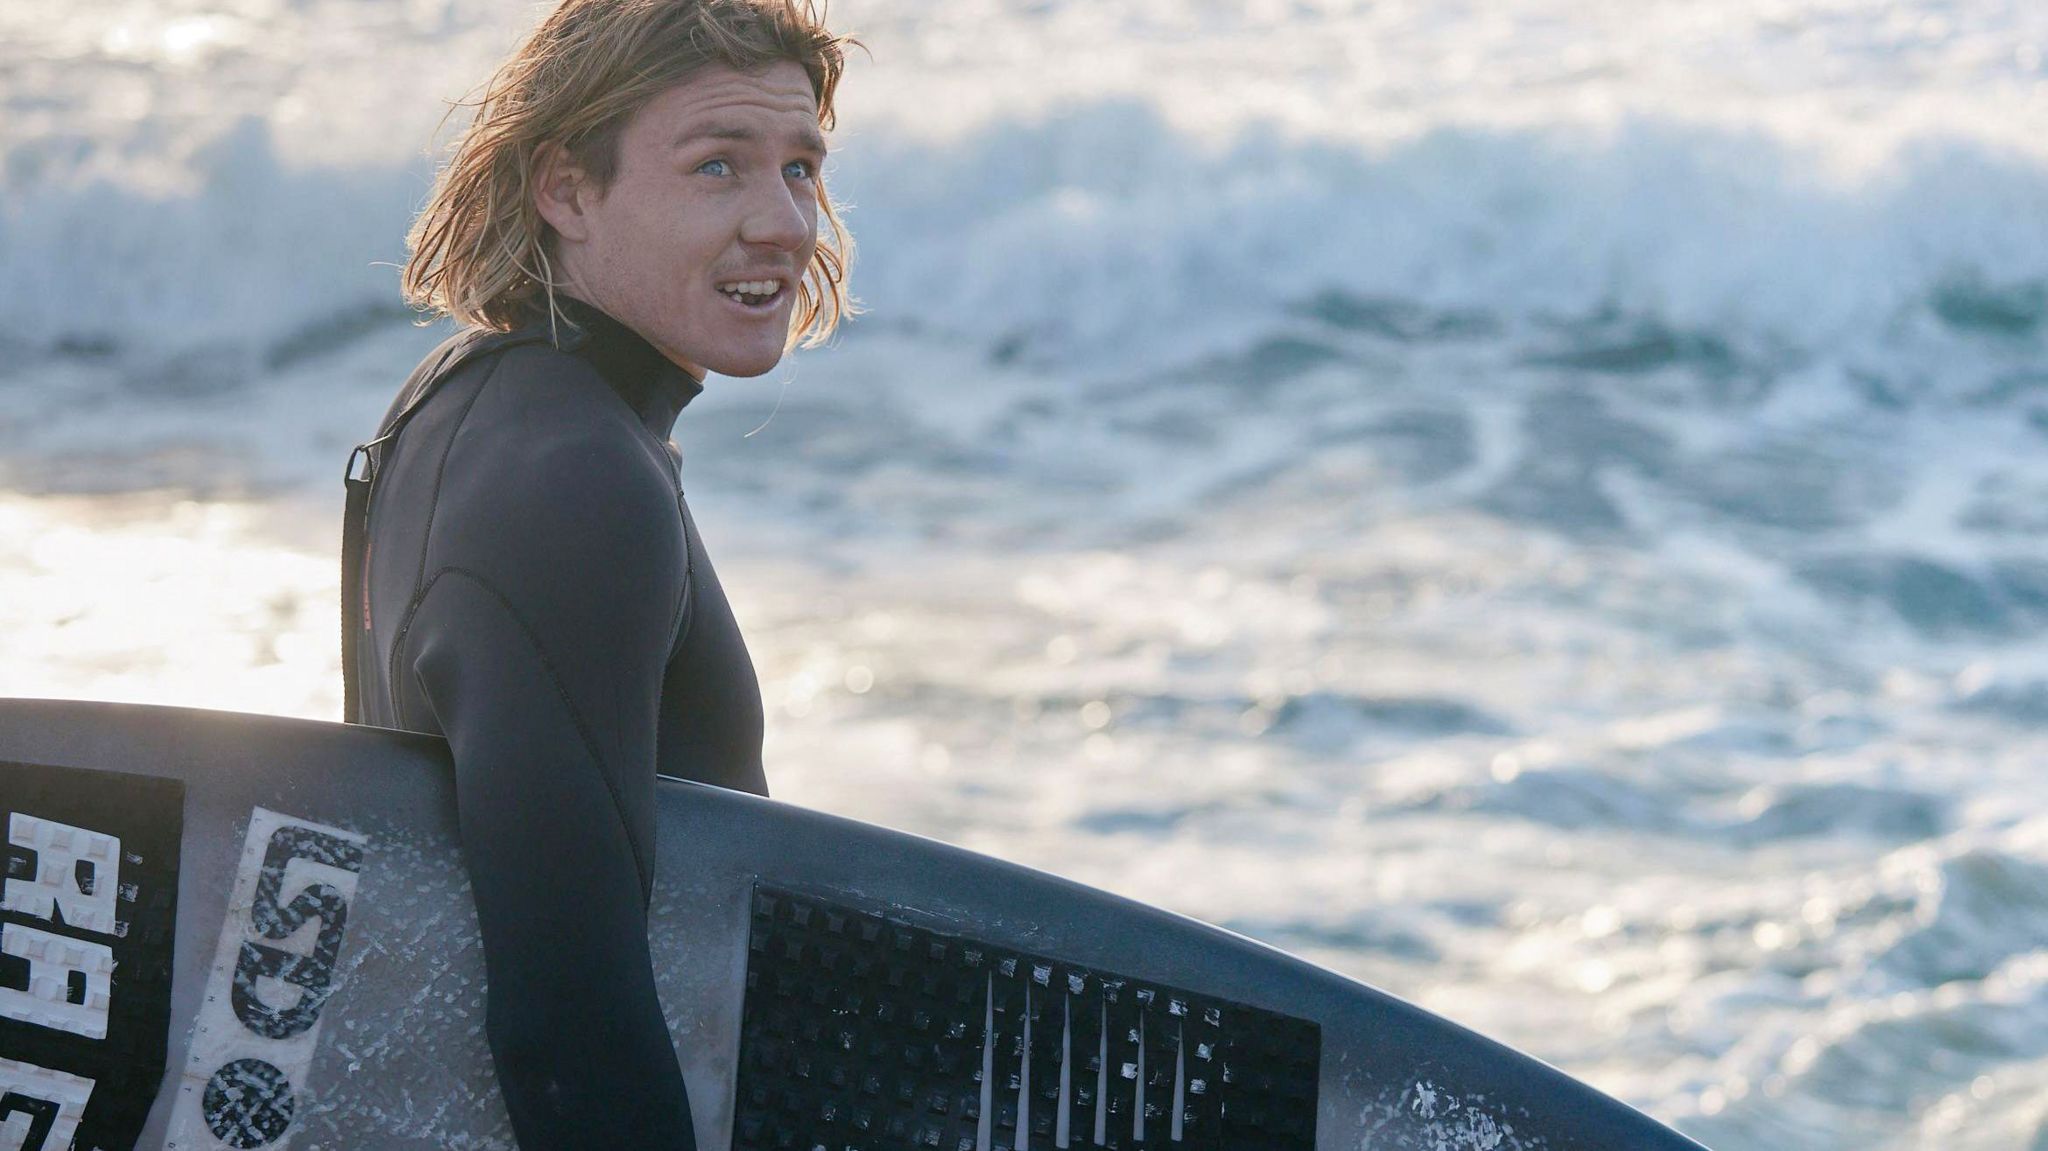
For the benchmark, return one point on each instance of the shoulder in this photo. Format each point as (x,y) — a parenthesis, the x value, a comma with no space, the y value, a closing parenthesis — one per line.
(535,388)
(521,372)
(541,416)
(547,461)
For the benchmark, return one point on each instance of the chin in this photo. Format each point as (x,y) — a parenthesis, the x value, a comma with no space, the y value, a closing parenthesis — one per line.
(744,366)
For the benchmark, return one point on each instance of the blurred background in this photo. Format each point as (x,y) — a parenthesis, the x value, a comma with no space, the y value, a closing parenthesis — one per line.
(1537,504)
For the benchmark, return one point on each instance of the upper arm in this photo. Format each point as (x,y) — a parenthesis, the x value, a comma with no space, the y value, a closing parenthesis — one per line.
(564,510)
(553,578)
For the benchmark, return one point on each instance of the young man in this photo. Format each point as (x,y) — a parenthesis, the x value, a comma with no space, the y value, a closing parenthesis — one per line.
(637,202)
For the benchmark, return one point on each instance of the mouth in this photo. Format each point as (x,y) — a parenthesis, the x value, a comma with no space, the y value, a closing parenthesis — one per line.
(754,297)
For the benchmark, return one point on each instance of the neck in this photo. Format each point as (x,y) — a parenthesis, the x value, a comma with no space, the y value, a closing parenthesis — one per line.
(574,287)
(651,382)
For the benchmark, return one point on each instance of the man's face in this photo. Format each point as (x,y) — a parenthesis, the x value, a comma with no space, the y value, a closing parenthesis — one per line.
(716,185)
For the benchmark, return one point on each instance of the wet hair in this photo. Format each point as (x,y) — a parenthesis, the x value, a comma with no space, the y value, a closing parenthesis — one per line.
(480,248)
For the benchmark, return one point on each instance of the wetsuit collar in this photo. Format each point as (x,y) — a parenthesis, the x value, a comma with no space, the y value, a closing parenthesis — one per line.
(648,381)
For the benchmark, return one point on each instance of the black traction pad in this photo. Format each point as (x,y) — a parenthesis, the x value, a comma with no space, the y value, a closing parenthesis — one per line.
(863,1033)
(88,917)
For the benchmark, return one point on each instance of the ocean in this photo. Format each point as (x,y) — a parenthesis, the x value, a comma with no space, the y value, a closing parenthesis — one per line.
(1540,505)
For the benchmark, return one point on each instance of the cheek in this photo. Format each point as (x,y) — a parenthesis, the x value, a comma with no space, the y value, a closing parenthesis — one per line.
(646,222)
(658,255)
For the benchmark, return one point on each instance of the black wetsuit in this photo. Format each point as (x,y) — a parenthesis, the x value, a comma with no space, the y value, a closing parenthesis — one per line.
(536,592)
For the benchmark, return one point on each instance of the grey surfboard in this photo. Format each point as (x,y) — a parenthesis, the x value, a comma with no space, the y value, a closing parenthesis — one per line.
(235,931)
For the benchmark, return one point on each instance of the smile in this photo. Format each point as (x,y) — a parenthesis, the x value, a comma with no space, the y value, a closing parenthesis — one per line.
(753,295)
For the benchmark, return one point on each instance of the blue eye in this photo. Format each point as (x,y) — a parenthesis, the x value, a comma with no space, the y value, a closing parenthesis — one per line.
(804,165)
(708,163)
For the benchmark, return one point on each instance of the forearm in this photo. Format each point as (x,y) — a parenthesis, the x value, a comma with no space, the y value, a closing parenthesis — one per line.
(559,876)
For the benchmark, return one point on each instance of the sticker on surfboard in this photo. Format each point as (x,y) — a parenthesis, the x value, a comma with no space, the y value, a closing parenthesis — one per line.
(273,975)
(88,913)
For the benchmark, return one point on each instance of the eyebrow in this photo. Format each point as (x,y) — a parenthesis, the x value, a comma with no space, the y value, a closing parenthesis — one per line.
(808,139)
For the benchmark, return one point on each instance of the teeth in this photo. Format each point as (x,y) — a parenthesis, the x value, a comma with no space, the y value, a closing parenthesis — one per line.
(751,287)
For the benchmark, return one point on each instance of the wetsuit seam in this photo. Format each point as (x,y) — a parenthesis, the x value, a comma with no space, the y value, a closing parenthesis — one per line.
(441,471)
(391,676)
(644,867)
(678,629)
(678,625)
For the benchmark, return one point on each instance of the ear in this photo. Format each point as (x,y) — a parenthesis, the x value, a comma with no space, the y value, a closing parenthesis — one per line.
(562,192)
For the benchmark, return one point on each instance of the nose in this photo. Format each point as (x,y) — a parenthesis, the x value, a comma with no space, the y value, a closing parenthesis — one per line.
(780,216)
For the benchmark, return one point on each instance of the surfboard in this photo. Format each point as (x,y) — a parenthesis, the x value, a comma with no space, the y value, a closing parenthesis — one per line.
(236,931)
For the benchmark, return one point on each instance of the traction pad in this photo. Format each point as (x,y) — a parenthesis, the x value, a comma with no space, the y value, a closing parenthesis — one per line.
(861,1034)
(88,911)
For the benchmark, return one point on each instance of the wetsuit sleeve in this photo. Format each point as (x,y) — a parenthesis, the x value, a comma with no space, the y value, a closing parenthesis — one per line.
(539,641)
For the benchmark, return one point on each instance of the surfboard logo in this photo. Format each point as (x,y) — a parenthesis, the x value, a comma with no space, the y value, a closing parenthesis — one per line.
(273,974)
(88,906)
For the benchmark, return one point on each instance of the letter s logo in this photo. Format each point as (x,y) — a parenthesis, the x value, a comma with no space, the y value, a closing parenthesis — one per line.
(310,971)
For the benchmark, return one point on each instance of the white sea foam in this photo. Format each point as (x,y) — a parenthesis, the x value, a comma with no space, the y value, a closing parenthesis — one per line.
(1536,503)
(1134,194)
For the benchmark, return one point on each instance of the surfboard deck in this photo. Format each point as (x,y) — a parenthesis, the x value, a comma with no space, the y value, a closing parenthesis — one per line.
(277,949)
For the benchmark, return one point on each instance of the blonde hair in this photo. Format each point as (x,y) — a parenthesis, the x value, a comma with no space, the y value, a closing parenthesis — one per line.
(480,247)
